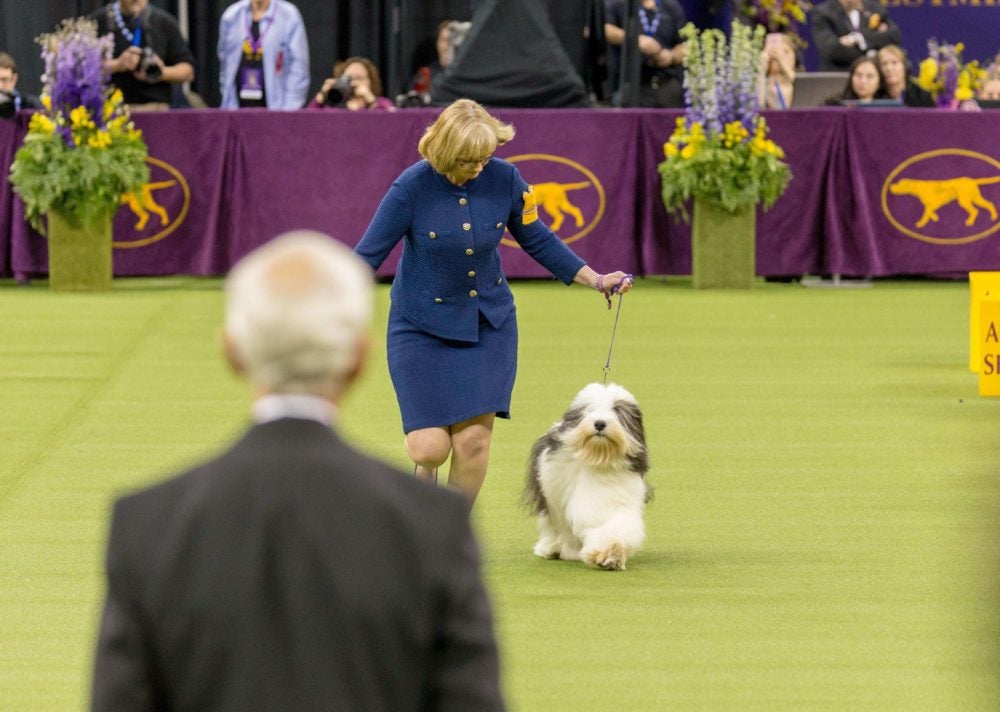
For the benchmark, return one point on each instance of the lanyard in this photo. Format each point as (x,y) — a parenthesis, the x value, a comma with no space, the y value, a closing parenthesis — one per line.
(134,38)
(649,26)
(256,46)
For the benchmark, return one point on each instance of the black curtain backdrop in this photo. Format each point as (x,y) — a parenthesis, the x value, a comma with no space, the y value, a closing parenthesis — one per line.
(398,35)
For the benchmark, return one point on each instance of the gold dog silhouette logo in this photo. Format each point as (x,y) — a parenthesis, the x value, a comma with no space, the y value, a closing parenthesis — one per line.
(569,197)
(157,210)
(938,196)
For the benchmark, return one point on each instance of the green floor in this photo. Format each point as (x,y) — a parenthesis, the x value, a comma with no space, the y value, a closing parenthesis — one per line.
(824,533)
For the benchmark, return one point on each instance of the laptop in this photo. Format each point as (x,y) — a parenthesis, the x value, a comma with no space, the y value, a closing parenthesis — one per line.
(873,104)
(988,103)
(814,88)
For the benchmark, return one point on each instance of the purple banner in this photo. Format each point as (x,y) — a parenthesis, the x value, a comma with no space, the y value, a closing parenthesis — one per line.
(875,192)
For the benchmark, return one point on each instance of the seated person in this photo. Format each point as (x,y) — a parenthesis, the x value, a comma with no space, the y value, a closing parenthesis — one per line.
(150,54)
(662,72)
(864,85)
(778,63)
(899,84)
(15,100)
(355,85)
(844,30)
(990,89)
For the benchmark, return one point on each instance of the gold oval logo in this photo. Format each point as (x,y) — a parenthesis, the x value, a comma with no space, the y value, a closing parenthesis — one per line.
(937,196)
(150,209)
(570,199)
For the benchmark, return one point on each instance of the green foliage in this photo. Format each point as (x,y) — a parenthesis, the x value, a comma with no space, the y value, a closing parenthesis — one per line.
(725,168)
(82,183)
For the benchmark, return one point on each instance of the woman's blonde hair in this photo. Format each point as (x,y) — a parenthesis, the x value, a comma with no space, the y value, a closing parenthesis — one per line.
(896,51)
(464,131)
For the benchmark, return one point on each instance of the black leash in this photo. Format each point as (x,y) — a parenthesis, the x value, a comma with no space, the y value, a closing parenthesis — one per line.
(614,330)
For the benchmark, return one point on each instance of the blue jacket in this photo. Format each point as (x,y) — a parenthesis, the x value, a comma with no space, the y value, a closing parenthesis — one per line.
(450,271)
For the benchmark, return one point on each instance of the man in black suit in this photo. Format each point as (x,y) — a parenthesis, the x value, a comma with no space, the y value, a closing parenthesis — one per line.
(292,572)
(844,30)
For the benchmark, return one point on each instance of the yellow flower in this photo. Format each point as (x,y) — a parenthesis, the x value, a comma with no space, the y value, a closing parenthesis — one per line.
(40,123)
(689,150)
(963,93)
(47,102)
(669,150)
(80,118)
(101,139)
(959,47)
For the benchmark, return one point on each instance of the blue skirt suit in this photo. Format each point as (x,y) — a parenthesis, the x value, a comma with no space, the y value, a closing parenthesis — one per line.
(452,334)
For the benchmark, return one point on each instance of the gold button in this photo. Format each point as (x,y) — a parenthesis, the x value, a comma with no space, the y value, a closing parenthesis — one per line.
(499,225)
(438,300)
(469,251)
(466,226)
(433,234)
(473,293)
(462,201)
(472,273)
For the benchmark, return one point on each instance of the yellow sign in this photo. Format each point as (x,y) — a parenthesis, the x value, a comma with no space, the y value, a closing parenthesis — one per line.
(571,208)
(982,285)
(989,345)
(150,210)
(959,200)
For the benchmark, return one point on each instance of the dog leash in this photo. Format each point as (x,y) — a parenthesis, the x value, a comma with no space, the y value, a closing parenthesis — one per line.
(614,329)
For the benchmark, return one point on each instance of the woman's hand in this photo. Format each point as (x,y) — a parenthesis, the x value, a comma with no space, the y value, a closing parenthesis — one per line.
(614,283)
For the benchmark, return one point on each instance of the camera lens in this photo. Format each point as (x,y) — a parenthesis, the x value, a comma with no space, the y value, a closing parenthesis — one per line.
(340,92)
(149,66)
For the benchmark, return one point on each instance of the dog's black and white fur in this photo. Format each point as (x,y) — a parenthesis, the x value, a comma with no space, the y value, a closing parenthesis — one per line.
(586,480)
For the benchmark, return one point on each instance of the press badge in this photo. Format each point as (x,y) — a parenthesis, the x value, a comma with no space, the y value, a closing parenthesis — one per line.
(251,84)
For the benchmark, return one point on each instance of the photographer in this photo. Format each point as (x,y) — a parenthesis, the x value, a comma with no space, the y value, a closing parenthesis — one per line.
(150,53)
(11,100)
(355,85)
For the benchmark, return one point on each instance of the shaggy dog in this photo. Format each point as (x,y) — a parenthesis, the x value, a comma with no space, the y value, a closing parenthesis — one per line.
(586,480)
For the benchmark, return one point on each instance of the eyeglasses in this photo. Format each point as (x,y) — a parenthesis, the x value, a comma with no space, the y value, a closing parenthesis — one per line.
(471,165)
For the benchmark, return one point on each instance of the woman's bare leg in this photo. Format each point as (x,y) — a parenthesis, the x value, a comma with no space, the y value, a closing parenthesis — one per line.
(428,448)
(470,443)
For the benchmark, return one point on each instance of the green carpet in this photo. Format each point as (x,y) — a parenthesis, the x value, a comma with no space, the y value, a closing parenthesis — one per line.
(824,533)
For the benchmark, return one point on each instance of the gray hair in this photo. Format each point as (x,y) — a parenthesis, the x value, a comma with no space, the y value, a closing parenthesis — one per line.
(297,313)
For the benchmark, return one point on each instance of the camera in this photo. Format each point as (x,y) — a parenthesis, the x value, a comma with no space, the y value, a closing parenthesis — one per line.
(340,92)
(413,100)
(149,65)
(7,105)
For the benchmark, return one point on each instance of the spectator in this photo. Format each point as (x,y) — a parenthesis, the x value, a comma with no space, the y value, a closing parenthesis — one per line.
(990,88)
(899,84)
(355,85)
(10,97)
(778,65)
(292,572)
(263,55)
(150,54)
(445,50)
(452,342)
(844,30)
(662,72)
(864,84)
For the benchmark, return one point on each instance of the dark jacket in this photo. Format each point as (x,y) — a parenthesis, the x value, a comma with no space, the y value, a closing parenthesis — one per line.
(830,22)
(293,573)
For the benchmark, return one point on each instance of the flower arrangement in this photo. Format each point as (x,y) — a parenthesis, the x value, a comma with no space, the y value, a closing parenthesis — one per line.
(949,80)
(719,151)
(82,152)
(777,15)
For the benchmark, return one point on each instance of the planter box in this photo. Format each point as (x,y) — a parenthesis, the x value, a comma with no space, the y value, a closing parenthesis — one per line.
(79,257)
(723,246)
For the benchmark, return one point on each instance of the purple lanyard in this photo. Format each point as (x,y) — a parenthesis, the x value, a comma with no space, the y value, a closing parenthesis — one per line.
(257,44)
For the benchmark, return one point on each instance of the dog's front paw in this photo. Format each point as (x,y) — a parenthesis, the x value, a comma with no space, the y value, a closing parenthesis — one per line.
(548,548)
(611,558)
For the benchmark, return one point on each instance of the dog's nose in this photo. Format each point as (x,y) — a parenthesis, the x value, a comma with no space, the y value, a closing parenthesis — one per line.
(599,425)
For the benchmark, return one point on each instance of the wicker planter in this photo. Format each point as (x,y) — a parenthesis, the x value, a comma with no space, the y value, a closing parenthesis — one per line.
(79,257)
(723,246)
